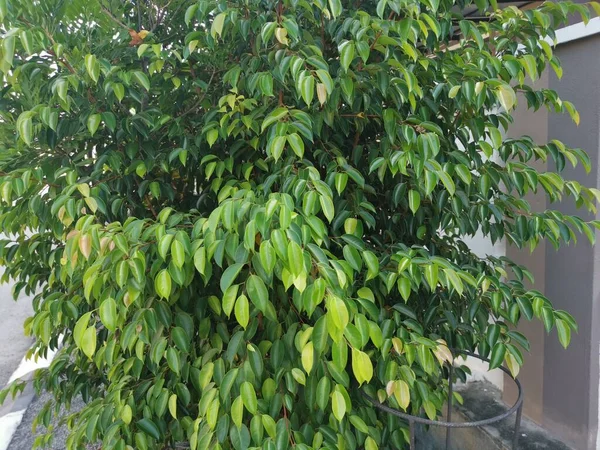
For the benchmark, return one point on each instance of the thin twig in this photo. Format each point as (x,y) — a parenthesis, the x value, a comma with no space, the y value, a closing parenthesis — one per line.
(109,14)
(201,99)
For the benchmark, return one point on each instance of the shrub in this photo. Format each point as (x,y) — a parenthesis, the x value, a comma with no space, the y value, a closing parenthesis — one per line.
(236,216)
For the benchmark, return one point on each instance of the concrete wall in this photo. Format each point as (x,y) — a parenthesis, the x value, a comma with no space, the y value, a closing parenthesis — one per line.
(562,385)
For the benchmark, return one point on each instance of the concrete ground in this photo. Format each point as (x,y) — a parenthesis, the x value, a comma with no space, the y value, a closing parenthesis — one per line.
(23,438)
(13,347)
(13,342)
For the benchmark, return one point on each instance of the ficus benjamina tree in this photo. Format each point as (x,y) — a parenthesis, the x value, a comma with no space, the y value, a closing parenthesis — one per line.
(235,217)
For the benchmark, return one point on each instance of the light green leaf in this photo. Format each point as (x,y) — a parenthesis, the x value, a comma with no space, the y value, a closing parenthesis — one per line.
(506,96)
(327,206)
(25,127)
(93,67)
(307,89)
(274,116)
(296,143)
(242,311)
(178,253)
(249,397)
(162,284)
(141,78)
(338,405)
(216,28)
(119,91)
(372,264)
(307,357)
(80,327)
(108,314)
(335,6)
(173,406)
(229,299)
(564,332)
(362,366)
(93,123)
(88,342)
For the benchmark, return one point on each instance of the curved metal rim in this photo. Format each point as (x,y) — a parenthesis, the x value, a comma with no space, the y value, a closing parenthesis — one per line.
(478,423)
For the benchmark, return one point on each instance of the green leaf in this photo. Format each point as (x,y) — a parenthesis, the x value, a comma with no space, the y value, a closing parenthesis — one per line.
(80,327)
(173,360)
(257,291)
(25,128)
(141,78)
(237,411)
(414,200)
(464,173)
(249,397)
(506,96)
(162,284)
(108,314)
(325,78)
(338,405)
(149,427)
(529,63)
(307,89)
(564,332)
(359,424)
(190,13)
(335,6)
(372,264)
(88,341)
(181,339)
(242,311)
(402,393)
(327,206)
(498,352)
(93,123)
(229,298)
(448,184)
(296,143)
(216,28)
(93,67)
(200,260)
(119,91)
(274,116)
(27,41)
(8,49)
(323,390)
(295,258)
(307,357)
(362,366)
(229,276)
(173,406)
(346,50)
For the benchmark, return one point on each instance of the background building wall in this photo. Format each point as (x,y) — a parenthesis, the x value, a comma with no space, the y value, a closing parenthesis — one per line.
(561,386)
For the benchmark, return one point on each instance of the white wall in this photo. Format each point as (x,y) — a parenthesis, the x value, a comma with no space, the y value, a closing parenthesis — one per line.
(482,246)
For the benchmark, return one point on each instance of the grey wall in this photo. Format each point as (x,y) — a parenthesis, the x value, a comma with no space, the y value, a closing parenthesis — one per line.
(535,125)
(561,386)
(573,272)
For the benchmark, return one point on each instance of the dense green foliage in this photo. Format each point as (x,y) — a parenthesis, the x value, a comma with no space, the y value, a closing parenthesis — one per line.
(236,215)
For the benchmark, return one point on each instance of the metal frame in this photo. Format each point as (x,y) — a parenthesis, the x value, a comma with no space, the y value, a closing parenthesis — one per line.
(449,425)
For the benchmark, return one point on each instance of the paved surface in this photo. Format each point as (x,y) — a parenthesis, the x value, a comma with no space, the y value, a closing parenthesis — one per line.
(13,342)
(482,400)
(23,438)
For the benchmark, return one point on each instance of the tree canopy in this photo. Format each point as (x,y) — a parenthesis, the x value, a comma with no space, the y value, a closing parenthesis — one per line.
(236,216)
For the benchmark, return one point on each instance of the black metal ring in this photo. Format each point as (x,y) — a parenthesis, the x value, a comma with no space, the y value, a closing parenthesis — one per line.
(478,423)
